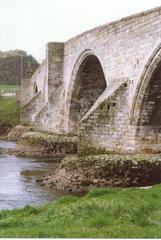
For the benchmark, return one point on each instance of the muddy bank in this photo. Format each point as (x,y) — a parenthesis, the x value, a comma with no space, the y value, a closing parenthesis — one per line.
(80,174)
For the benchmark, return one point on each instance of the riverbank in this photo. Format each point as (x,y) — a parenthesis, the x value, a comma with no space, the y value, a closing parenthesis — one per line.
(9,114)
(81,174)
(18,185)
(102,213)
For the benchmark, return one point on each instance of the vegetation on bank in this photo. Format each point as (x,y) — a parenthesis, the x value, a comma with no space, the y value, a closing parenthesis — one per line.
(110,213)
(33,142)
(6,88)
(9,110)
(46,140)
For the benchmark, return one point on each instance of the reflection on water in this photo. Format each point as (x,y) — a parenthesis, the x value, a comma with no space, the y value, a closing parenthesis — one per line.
(18,186)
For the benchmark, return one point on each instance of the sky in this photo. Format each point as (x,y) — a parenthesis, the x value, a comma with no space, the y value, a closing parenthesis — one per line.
(29,24)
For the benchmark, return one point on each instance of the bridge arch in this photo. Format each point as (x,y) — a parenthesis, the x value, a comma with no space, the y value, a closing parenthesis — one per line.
(148,92)
(87,84)
(146,108)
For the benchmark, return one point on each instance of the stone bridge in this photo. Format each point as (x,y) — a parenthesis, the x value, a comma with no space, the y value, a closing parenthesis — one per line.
(104,85)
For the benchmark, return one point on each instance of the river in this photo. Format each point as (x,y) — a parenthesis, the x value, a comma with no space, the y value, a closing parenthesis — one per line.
(18,175)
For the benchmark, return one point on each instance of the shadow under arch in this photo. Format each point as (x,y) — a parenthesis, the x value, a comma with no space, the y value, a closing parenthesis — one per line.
(87,84)
(35,89)
(151,67)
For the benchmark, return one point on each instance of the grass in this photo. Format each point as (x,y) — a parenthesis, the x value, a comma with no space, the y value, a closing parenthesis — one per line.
(102,213)
(9,110)
(5,88)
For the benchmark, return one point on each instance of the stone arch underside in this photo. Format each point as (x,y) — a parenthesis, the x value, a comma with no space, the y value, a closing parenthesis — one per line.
(150,112)
(89,84)
(147,109)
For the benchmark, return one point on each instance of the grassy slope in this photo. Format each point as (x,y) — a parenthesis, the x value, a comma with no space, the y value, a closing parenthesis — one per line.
(117,213)
(9,110)
(8,88)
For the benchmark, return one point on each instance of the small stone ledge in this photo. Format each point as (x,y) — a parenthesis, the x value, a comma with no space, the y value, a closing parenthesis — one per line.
(80,174)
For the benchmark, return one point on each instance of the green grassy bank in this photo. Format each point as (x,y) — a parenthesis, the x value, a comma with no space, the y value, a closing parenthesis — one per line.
(5,88)
(9,110)
(110,213)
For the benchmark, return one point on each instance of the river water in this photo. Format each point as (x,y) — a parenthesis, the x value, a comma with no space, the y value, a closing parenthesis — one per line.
(18,175)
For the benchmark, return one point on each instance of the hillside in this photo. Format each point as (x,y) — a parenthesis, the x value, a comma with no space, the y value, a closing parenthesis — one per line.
(14,65)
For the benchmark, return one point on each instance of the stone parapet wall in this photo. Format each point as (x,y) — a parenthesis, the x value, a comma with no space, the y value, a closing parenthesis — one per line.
(40,79)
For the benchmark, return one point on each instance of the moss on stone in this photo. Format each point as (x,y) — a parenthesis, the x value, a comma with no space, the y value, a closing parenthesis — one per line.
(17,132)
(43,144)
(45,139)
(83,173)
(90,150)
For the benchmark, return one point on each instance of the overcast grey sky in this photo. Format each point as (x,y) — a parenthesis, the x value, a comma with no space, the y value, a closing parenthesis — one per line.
(30,24)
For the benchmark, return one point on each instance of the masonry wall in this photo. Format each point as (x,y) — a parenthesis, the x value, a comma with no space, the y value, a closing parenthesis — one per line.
(105,129)
(55,60)
(26,93)
(39,78)
(123,48)
(47,111)
(51,116)
(32,102)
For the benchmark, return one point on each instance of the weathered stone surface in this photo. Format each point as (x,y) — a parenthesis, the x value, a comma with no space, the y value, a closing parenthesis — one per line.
(103,84)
